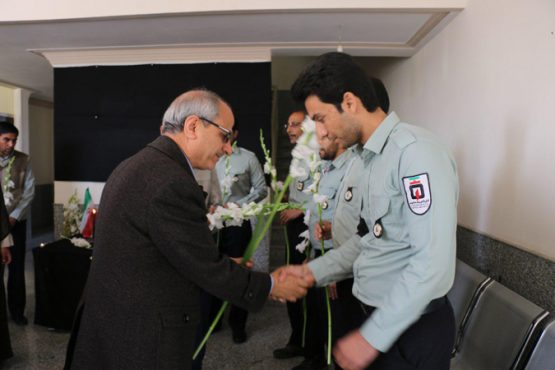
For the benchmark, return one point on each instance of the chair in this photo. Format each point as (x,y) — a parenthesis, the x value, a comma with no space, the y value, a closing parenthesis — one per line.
(468,286)
(497,331)
(543,355)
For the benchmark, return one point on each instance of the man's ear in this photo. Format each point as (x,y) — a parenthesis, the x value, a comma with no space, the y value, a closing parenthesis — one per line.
(190,127)
(350,102)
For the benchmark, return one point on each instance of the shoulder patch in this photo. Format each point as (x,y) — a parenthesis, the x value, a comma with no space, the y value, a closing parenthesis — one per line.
(403,138)
(417,191)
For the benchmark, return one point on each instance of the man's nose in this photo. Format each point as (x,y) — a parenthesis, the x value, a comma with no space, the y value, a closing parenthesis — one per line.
(227,148)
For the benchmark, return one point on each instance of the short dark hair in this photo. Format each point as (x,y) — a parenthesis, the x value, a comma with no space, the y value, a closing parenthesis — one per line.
(8,128)
(381,93)
(330,76)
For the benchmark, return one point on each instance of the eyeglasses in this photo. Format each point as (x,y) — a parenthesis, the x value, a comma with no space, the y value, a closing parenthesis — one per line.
(227,133)
(293,124)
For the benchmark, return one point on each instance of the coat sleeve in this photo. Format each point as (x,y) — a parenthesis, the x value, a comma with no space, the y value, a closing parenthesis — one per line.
(178,226)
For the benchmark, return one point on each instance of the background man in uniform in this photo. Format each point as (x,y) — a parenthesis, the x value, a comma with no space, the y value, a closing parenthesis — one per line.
(18,184)
(406,264)
(154,251)
(247,185)
(293,221)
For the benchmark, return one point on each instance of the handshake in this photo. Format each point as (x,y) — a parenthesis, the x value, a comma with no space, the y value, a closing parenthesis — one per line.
(291,282)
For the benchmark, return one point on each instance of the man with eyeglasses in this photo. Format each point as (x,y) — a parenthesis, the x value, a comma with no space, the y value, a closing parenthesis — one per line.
(241,182)
(293,221)
(154,252)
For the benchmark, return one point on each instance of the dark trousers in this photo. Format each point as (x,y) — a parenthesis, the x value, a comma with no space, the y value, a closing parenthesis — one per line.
(5,343)
(425,345)
(343,310)
(295,309)
(16,270)
(233,242)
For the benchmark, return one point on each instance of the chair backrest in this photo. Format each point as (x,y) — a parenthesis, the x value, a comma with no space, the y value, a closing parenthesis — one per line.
(467,281)
(468,286)
(543,355)
(498,329)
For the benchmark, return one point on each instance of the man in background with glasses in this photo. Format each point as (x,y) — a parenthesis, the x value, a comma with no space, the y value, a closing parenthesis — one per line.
(241,182)
(153,250)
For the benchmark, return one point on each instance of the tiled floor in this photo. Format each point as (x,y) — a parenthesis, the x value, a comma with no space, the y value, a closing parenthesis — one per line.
(36,347)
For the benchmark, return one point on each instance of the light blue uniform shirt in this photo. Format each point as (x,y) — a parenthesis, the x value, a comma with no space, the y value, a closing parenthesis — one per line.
(250,185)
(346,216)
(296,187)
(410,193)
(332,174)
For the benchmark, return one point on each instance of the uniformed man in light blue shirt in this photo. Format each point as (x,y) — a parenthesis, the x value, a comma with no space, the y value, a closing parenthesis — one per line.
(405,265)
(242,182)
(335,161)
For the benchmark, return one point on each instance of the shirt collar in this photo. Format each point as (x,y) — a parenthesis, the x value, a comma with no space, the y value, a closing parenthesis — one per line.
(379,137)
(340,161)
(188,161)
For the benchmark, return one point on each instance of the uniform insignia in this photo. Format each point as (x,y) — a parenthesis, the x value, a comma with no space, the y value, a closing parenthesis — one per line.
(378,229)
(417,191)
(325,205)
(349,194)
(300,185)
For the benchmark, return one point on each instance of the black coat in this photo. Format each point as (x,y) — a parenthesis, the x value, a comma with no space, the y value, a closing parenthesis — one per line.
(152,252)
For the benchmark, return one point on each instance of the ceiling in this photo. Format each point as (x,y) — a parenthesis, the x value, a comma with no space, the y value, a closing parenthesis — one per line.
(30,49)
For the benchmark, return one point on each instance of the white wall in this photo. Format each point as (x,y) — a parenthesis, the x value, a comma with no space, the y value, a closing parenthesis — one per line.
(486,85)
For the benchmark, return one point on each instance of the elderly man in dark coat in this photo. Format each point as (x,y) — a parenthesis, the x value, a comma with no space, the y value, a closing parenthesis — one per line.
(153,250)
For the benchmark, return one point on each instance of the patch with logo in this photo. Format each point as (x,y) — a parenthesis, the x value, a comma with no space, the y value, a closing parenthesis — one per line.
(300,185)
(417,190)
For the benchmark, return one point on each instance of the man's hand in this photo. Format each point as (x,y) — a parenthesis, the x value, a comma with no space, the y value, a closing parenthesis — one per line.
(322,230)
(12,221)
(289,285)
(6,256)
(353,352)
(249,264)
(298,271)
(289,214)
(332,290)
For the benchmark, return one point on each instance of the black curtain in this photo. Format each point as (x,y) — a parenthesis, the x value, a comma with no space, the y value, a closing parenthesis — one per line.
(102,115)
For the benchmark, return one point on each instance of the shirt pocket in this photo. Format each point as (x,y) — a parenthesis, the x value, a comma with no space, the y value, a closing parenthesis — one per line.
(375,212)
(329,205)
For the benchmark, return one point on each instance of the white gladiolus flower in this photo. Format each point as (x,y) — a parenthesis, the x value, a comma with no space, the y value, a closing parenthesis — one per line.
(306,218)
(267,168)
(301,247)
(215,221)
(320,199)
(297,170)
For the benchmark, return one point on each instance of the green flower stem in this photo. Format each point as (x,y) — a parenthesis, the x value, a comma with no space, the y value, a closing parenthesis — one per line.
(211,329)
(258,234)
(328,307)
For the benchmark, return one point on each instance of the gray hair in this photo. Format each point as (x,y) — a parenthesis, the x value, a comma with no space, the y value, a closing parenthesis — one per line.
(200,102)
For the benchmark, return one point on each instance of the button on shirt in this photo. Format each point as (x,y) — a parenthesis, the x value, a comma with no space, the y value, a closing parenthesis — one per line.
(413,260)
(332,174)
(250,185)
